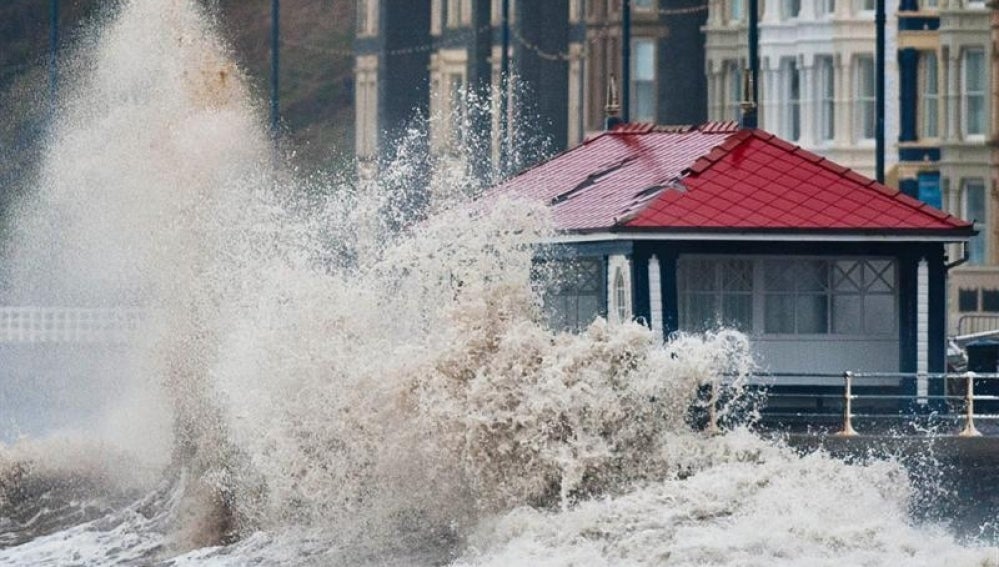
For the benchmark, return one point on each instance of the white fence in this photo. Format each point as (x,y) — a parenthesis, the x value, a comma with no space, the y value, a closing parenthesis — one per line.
(68,325)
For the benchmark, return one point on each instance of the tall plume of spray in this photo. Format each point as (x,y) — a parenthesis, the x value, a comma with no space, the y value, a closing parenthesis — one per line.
(154,184)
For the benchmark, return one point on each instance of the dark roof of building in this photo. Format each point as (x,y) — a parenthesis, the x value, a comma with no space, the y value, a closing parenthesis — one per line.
(715,177)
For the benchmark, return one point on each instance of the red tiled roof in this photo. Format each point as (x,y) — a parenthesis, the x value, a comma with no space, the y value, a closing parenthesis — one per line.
(714,177)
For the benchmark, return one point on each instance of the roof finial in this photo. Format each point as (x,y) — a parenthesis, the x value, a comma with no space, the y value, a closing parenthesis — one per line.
(613,108)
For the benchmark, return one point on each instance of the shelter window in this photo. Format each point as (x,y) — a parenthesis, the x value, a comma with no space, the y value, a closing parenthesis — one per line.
(789,295)
(715,293)
(575,296)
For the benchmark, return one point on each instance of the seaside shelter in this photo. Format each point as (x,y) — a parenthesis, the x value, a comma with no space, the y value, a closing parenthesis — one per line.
(695,227)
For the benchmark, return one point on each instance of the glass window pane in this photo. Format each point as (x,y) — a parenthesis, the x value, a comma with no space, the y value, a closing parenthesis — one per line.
(879,275)
(846,315)
(967,300)
(700,313)
(779,314)
(812,275)
(847,276)
(879,314)
(778,275)
(645,60)
(990,300)
(812,314)
(737,311)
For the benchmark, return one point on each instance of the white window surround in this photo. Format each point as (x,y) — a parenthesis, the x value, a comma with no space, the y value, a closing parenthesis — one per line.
(619,303)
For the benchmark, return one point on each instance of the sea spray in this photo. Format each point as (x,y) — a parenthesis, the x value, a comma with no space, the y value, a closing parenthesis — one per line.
(350,380)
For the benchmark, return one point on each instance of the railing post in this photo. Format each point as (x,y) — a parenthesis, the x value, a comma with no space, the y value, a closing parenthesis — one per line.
(712,427)
(969,406)
(848,430)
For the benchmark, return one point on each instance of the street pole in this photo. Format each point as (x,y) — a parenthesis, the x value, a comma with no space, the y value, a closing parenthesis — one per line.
(626,61)
(750,114)
(504,94)
(275,63)
(879,158)
(53,54)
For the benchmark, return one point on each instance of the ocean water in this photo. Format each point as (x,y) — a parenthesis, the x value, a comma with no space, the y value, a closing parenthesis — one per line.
(334,372)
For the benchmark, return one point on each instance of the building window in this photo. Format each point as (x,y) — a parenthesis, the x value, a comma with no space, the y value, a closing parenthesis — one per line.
(826,93)
(990,300)
(574,299)
(733,90)
(715,293)
(791,120)
(973,69)
(967,300)
(643,81)
(789,9)
(866,108)
(736,10)
(929,4)
(974,210)
(866,5)
(826,7)
(643,5)
(458,13)
(929,86)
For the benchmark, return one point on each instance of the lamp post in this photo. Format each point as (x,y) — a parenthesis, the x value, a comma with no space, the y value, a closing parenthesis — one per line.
(53,54)
(626,60)
(275,63)
(879,94)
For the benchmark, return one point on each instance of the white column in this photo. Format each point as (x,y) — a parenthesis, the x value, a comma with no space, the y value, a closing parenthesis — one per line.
(655,298)
(922,330)
(807,92)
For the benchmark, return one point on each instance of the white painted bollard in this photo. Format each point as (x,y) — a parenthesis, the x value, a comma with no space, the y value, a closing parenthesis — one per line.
(848,430)
(969,407)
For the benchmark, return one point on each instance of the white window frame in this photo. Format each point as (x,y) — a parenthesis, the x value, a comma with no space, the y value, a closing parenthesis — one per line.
(733,90)
(969,130)
(978,245)
(865,104)
(825,95)
(929,95)
(436,17)
(790,9)
(791,115)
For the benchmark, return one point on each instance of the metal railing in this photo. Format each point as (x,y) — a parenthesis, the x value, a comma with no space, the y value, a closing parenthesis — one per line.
(977,323)
(67,325)
(854,403)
